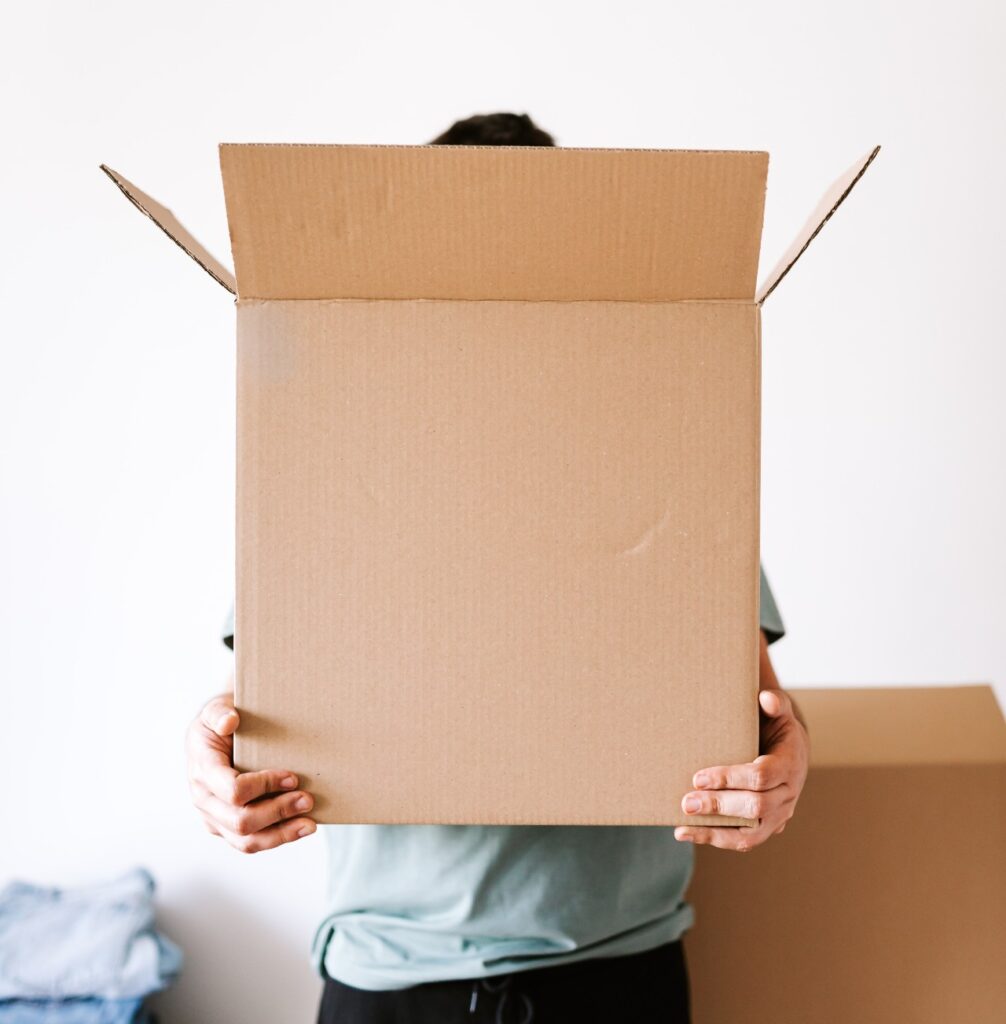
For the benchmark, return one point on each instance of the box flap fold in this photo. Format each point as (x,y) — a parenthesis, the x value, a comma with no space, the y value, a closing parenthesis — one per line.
(832,200)
(171,226)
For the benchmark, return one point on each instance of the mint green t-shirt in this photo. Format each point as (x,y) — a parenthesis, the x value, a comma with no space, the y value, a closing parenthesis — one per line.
(408,904)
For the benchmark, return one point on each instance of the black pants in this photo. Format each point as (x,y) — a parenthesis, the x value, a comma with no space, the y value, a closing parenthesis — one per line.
(645,988)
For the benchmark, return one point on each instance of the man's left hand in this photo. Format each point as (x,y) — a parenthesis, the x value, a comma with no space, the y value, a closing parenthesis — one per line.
(765,790)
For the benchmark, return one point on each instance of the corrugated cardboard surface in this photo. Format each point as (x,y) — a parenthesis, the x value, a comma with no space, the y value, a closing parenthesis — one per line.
(498,561)
(496,222)
(885,898)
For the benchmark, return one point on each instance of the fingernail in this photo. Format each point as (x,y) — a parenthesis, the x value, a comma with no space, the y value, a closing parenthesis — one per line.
(222,721)
(305,831)
(289,782)
(684,837)
(692,804)
(701,780)
(302,804)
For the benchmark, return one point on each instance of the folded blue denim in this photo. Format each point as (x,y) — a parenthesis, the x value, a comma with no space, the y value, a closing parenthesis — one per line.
(73,1011)
(91,941)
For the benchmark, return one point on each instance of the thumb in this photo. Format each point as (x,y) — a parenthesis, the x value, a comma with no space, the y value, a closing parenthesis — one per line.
(227,723)
(776,703)
(220,717)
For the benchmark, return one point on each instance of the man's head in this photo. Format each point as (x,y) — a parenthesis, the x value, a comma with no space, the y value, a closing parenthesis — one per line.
(494,130)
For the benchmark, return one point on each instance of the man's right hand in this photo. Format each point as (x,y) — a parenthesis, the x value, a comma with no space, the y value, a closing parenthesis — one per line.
(253,811)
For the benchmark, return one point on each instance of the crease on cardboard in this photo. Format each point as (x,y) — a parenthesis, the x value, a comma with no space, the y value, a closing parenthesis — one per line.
(832,200)
(174,229)
(242,301)
(649,535)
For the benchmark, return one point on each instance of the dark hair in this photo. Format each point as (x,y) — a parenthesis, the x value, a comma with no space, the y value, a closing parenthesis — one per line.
(494,130)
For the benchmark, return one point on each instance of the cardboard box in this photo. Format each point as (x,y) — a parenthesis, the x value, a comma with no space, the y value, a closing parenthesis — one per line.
(885,898)
(497,473)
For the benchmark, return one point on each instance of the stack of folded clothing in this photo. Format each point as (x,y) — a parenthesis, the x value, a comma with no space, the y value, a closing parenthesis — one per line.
(88,955)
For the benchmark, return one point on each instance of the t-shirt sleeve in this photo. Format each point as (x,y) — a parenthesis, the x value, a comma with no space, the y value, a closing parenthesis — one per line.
(227,633)
(770,619)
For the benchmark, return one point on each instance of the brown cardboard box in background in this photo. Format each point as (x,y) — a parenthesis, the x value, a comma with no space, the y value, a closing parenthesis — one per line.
(885,898)
(497,473)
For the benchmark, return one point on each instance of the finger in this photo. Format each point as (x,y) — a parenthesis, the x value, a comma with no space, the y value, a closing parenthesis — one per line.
(765,772)
(209,823)
(737,803)
(740,840)
(240,788)
(250,818)
(776,703)
(219,715)
(273,836)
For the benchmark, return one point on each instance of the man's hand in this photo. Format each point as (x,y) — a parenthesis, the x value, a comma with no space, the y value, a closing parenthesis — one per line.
(766,790)
(253,811)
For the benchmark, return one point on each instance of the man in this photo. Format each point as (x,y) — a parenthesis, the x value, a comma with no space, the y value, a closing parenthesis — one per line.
(467,923)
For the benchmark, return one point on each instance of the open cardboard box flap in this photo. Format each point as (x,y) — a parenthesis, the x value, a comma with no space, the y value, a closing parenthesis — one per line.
(382,222)
(473,222)
(174,229)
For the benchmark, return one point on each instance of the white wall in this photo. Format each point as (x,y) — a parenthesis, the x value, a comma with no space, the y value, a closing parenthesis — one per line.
(884,489)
